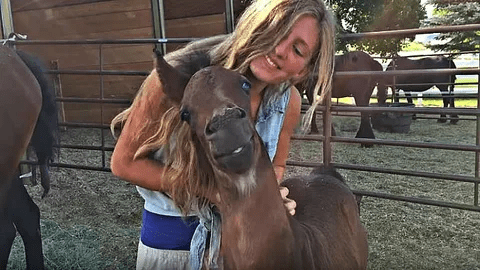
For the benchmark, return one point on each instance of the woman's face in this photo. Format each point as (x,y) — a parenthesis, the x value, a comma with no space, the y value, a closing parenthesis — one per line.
(290,57)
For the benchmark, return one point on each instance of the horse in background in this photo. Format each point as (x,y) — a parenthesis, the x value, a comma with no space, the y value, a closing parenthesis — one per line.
(421,82)
(214,156)
(28,116)
(358,87)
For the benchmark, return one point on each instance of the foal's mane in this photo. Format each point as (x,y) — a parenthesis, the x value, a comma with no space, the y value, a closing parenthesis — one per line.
(163,129)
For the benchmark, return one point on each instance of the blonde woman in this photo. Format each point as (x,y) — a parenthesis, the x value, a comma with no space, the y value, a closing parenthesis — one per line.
(276,44)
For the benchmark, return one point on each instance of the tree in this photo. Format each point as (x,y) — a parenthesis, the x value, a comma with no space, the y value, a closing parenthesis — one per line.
(455,12)
(357,16)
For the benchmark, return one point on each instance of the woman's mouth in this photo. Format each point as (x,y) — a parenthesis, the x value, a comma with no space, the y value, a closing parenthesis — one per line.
(270,62)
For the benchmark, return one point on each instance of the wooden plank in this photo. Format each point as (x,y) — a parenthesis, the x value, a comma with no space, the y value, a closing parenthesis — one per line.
(87,56)
(175,9)
(90,113)
(83,10)
(89,86)
(59,28)
(204,26)
(20,5)
(144,32)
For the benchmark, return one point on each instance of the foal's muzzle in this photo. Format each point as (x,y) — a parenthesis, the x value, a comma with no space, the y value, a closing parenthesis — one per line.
(230,139)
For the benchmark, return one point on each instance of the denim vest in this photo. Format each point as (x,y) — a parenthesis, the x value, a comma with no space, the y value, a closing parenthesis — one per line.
(269,123)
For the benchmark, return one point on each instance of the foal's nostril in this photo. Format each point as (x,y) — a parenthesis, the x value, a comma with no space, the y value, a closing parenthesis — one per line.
(243,114)
(220,122)
(208,130)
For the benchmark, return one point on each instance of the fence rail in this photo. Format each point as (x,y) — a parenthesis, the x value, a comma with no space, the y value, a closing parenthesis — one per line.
(326,110)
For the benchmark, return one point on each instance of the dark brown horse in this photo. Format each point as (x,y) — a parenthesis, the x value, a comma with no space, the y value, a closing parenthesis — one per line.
(28,115)
(422,82)
(358,87)
(211,133)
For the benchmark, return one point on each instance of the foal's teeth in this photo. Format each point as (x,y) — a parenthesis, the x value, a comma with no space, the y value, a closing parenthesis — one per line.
(236,151)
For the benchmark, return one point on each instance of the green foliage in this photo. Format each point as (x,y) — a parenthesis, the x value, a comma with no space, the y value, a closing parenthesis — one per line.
(455,13)
(413,46)
(358,16)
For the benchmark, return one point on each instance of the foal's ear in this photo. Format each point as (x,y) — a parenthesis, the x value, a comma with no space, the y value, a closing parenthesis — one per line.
(173,81)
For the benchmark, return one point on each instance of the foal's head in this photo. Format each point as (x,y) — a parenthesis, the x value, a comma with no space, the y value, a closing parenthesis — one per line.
(210,145)
(216,106)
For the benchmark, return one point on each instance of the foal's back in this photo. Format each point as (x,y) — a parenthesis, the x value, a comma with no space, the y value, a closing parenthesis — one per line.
(328,215)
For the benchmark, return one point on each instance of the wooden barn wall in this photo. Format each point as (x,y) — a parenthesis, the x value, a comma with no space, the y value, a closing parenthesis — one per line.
(111,19)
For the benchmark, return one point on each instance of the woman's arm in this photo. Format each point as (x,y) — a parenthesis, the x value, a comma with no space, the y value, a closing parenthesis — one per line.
(141,171)
(292,118)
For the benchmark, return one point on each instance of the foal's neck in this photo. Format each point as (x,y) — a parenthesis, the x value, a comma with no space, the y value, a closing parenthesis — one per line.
(256,232)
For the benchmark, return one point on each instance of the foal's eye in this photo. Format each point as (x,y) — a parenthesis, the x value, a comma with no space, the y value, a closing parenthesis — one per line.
(246,86)
(185,115)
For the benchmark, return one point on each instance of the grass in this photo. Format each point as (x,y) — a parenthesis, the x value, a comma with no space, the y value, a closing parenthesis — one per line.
(426,102)
(473,82)
(91,220)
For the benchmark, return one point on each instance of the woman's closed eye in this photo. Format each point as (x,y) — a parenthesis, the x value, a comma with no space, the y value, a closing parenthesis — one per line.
(298,51)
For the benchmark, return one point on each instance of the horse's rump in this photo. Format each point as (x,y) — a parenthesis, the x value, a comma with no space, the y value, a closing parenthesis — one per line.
(327,210)
(20,98)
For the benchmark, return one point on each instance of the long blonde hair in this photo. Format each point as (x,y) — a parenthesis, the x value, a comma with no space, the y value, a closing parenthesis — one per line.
(260,29)
(264,24)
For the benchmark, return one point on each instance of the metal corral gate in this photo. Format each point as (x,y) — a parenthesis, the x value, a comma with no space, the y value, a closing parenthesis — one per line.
(326,110)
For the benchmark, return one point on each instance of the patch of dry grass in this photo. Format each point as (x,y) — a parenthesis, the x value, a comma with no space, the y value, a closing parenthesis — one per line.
(406,235)
(91,220)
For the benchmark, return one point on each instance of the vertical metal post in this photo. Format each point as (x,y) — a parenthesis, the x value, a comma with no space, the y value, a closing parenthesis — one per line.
(327,130)
(477,141)
(229,17)
(158,16)
(6,17)
(102,96)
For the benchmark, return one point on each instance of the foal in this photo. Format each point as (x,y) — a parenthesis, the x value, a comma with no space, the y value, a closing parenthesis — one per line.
(212,132)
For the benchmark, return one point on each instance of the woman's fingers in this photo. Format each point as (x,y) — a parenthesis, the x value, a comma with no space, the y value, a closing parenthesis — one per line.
(289,203)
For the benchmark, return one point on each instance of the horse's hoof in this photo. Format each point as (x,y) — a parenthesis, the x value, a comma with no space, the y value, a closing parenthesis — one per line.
(442,119)
(454,120)
(366,145)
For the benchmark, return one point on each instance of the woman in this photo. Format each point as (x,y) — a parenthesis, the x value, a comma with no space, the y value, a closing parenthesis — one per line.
(277,43)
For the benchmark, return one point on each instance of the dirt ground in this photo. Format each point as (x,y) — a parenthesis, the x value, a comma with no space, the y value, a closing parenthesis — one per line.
(91,220)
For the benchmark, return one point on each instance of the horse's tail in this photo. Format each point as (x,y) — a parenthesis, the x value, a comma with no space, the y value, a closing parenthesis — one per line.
(46,132)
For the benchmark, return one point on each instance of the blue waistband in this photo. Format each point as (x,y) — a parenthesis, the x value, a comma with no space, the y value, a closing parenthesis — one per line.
(167,232)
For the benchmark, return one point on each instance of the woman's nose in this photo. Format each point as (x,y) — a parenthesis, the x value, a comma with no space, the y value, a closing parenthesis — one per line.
(281,50)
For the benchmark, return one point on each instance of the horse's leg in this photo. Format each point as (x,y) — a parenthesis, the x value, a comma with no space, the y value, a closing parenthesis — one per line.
(409,97)
(26,217)
(453,117)
(313,126)
(410,101)
(443,117)
(395,93)
(365,130)
(313,123)
(7,232)
(7,235)
(45,179)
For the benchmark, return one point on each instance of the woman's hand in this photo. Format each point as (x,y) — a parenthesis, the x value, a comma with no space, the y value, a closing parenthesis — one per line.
(289,203)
